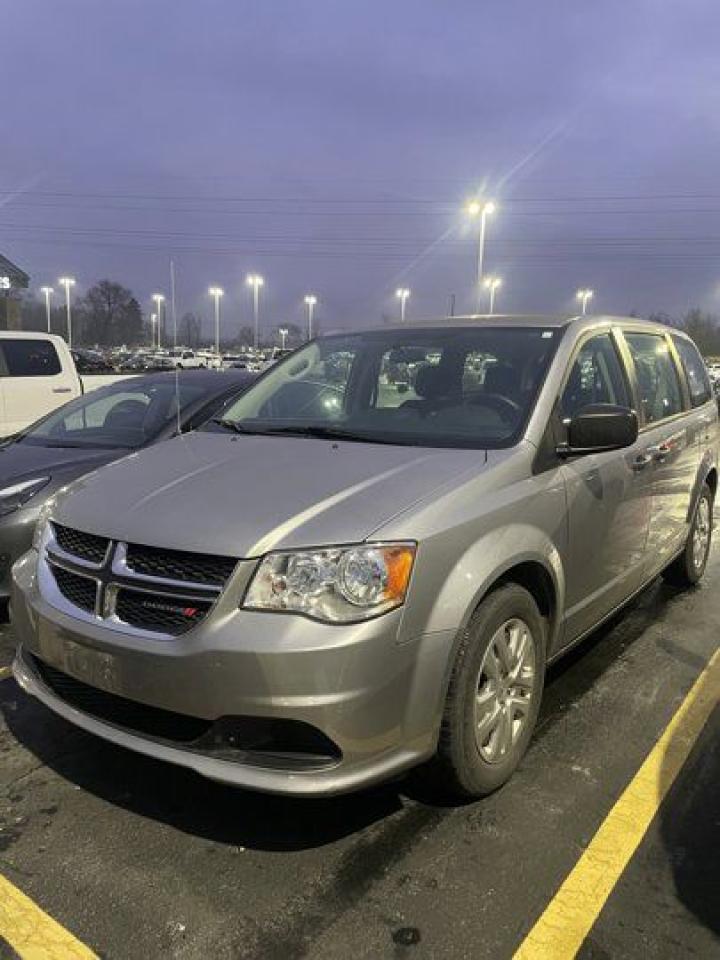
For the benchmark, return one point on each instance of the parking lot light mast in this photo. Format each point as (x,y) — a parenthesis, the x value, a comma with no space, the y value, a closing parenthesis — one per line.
(216,293)
(583,296)
(482,209)
(47,291)
(283,331)
(402,293)
(310,301)
(68,282)
(255,281)
(492,284)
(159,299)
(153,321)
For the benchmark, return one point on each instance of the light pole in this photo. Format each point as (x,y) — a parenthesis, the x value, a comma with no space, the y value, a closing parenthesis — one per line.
(47,291)
(159,299)
(402,293)
(255,281)
(153,321)
(483,209)
(216,293)
(283,331)
(584,296)
(310,301)
(492,284)
(68,282)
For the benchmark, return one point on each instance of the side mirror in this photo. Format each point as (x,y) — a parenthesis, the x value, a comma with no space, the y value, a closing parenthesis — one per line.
(597,428)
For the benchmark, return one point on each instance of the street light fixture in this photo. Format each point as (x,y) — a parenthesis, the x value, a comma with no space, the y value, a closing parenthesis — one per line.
(68,282)
(310,301)
(216,293)
(159,299)
(255,281)
(402,293)
(492,284)
(283,331)
(482,209)
(584,296)
(47,291)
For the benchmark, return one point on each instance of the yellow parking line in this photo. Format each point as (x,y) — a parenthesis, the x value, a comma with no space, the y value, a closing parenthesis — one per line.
(568,918)
(32,934)
(5,672)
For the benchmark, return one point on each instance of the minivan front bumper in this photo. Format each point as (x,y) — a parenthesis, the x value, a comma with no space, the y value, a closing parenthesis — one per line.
(377,700)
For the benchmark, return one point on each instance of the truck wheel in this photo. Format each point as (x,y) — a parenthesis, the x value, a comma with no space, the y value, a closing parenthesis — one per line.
(494,695)
(688,568)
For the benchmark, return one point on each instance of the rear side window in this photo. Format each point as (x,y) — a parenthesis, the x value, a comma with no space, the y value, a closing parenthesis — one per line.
(596,376)
(657,376)
(28,358)
(697,377)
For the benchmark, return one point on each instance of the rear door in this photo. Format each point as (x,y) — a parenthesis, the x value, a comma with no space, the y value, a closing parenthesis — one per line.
(33,380)
(608,495)
(669,442)
(702,398)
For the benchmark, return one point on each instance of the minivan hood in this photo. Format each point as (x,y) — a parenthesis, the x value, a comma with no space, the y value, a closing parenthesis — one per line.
(242,496)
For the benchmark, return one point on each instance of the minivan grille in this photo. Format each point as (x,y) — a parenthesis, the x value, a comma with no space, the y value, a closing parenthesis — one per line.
(118,588)
(179,565)
(86,546)
(78,590)
(157,613)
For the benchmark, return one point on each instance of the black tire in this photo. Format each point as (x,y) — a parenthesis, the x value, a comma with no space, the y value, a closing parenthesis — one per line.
(460,769)
(687,569)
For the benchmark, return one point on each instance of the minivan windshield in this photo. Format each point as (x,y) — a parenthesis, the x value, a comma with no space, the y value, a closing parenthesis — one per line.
(471,386)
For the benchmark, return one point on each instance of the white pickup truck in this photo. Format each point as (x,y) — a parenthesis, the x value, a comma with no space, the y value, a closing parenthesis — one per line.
(37,374)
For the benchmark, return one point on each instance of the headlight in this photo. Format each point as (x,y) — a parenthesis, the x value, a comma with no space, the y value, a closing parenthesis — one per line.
(11,498)
(337,584)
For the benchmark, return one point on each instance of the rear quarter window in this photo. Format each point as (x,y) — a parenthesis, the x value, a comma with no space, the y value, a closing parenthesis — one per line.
(28,358)
(695,371)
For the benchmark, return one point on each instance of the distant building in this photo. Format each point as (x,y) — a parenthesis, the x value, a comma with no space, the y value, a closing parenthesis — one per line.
(12,281)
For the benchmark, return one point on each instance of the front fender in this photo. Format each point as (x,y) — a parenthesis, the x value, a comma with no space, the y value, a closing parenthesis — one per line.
(490,559)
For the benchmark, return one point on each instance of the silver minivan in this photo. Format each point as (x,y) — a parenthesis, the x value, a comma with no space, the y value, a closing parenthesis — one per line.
(368,563)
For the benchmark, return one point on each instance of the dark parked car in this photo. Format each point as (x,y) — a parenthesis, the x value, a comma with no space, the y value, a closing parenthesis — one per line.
(89,361)
(89,432)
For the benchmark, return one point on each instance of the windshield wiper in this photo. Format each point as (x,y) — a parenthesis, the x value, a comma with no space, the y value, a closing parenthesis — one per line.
(328,433)
(234,425)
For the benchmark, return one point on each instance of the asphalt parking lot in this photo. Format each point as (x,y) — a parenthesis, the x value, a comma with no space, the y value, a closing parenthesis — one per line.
(142,860)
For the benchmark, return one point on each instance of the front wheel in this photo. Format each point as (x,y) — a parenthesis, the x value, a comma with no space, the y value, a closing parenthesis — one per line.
(688,568)
(494,695)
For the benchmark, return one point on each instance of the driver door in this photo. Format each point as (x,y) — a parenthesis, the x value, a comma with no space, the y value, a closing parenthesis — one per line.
(608,495)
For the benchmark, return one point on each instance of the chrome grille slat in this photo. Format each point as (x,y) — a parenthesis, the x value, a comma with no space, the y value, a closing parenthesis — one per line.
(125,599)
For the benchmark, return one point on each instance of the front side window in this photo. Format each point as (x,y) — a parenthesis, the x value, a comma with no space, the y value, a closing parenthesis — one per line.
(28,358)
(695,372)
(657,377)
(596,376)
(457,386)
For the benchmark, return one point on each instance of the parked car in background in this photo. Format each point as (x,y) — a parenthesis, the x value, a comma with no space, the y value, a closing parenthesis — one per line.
(309,597)
(89,361)
(188,360)
(91,431)
(37,374)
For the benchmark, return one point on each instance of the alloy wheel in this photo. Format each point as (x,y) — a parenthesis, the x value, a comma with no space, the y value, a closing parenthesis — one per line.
(505,690)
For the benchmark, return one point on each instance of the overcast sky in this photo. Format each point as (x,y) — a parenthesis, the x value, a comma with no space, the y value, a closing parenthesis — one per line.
(331,145)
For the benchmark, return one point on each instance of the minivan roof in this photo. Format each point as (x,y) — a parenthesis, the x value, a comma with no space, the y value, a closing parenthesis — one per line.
(521,320)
